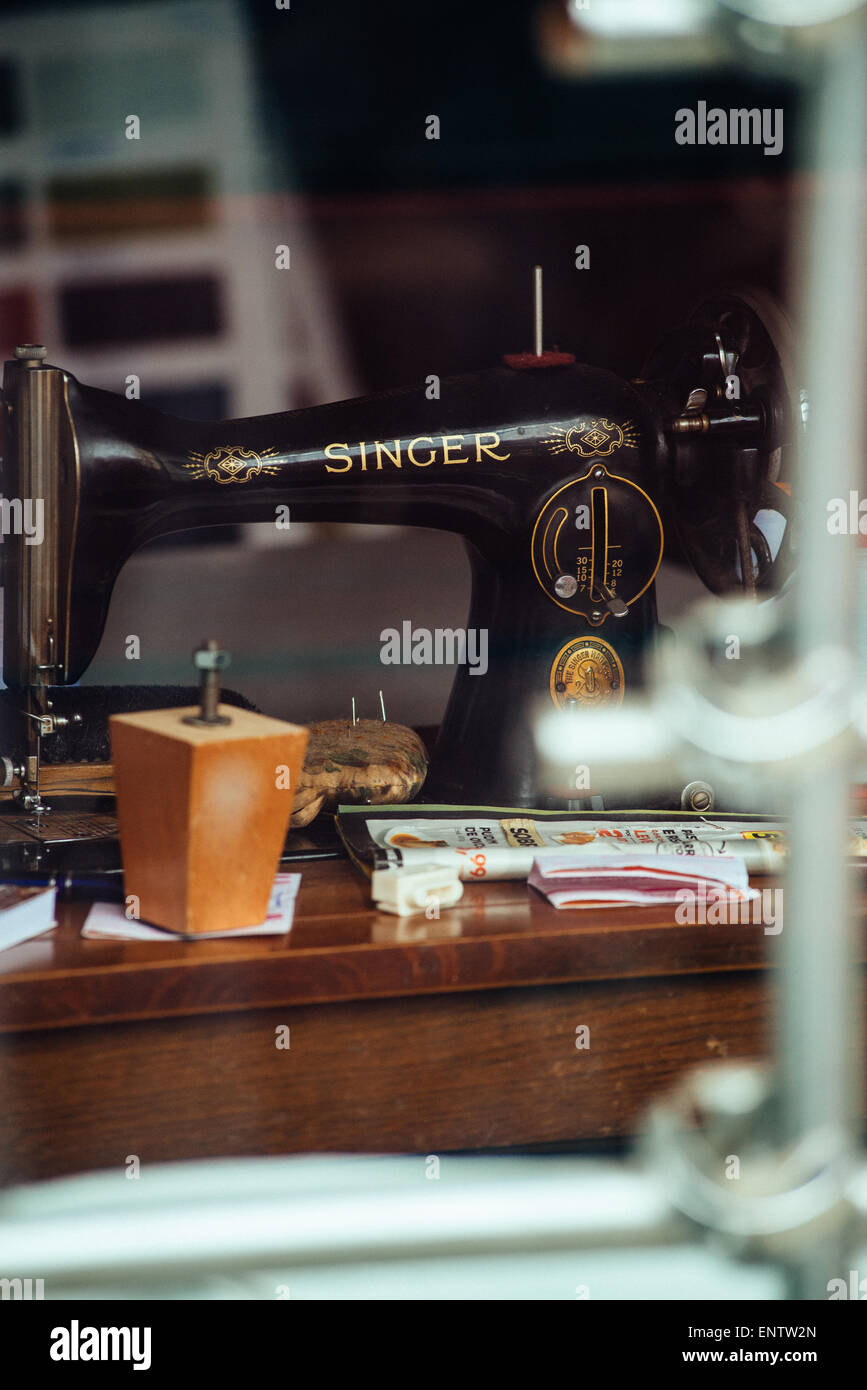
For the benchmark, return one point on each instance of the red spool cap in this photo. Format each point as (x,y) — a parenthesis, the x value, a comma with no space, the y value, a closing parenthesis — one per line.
(526,361)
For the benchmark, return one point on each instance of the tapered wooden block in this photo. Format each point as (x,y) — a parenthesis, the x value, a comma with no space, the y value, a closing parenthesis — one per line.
(203,813)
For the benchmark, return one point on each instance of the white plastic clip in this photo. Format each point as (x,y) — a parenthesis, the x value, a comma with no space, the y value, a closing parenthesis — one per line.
(407,890)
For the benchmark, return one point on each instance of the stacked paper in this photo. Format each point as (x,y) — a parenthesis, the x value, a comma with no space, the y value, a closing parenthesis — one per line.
(583,879)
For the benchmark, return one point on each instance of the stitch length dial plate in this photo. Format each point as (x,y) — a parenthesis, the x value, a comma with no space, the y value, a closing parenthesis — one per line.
(601,531)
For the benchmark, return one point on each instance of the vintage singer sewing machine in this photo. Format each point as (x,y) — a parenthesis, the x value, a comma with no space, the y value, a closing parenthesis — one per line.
(562,478)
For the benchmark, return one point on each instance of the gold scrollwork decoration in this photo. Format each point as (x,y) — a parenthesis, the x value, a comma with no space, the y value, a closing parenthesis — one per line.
(231,463)
(592,439)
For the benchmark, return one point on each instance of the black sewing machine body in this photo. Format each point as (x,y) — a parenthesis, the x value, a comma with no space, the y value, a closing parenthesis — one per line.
(558,475)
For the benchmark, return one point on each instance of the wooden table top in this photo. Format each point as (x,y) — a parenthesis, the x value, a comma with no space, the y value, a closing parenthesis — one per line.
(339,948)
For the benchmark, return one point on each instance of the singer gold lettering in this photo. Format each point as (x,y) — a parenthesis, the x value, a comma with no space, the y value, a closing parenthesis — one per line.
(373,456)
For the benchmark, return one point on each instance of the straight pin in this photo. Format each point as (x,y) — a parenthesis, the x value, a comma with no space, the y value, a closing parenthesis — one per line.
(382,706)
(353,712)
(537,310)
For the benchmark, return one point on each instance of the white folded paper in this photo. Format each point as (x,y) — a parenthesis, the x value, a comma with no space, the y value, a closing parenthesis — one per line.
(109,920)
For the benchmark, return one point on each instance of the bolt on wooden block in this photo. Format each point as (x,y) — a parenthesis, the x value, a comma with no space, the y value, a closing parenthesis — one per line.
(203,813)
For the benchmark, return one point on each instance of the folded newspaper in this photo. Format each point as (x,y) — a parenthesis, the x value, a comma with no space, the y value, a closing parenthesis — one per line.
(501,842)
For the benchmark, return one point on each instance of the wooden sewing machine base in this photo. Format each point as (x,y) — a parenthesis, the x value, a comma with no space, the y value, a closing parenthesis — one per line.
(404,1035)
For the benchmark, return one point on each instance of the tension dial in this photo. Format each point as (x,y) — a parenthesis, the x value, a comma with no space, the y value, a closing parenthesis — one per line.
(596,545)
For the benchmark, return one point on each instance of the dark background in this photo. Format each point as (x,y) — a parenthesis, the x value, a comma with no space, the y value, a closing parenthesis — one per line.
(429,242)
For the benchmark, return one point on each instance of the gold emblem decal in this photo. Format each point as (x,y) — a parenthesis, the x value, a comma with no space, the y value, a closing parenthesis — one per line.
(592,439)
(232,464)
(586,672)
